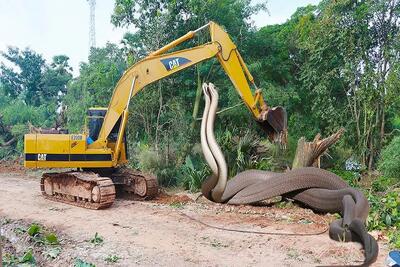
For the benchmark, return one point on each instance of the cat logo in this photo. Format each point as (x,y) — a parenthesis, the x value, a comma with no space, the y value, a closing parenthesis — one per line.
(174,62)
(42,157)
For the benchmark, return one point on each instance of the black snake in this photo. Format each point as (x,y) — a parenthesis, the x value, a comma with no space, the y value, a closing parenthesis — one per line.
(314,187)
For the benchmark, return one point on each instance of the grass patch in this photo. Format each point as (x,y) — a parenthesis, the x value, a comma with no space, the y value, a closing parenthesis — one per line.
(97,239)
(112,259)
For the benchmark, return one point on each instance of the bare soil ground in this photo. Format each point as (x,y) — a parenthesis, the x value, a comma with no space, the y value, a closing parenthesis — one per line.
(159,232)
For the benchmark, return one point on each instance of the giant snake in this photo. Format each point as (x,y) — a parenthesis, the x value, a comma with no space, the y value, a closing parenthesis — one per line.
(319,189)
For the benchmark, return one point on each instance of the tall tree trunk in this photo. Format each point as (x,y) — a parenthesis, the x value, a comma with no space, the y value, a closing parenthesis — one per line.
(383,123)
(9,142)
(198,98)
(371,154)
(160,100)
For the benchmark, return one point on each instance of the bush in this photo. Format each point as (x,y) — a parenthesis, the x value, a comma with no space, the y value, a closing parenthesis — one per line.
(384,214)
(244,150)
(389,163)
(149,160)
(192,177)
(14,120)
(385,211)
(350,177)
(382,184)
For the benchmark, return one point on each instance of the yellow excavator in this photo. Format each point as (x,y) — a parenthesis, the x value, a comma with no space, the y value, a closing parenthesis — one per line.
(99,155)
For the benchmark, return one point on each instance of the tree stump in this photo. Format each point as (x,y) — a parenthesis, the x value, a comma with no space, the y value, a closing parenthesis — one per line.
(309,153)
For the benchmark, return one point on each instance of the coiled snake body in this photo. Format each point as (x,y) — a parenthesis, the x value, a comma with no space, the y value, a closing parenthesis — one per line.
(316,188)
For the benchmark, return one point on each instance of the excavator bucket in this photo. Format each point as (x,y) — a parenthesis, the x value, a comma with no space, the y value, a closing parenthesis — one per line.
(275,125)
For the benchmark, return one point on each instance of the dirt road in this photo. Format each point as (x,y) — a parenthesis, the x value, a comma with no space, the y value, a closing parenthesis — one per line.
(158,233)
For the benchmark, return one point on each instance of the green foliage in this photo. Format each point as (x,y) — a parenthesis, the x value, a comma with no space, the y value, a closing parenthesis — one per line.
(33,230)
(112,259)
(192,176)
(27,82)
(384,214)
(394,239)
(95,84)
(27,259)
(9,260)
(19,231)
(350,177)
(233,14)
(389,163)
(244,150)
(148,160)
(177,205)
(30,93)
(81,263)
(51,239)
(31,79)
(382,184)
(385,211)
(339,154)
(42,237)
(97,239)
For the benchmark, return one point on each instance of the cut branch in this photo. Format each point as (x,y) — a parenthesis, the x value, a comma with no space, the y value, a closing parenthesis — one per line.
(309,153)
(9,142)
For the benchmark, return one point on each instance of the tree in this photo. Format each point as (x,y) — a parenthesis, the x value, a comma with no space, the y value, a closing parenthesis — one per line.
(352,51)
(95,84)
(24,78)
(31,92)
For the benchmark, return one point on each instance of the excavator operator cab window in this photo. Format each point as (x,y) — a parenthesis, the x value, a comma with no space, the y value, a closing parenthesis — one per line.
(95,118)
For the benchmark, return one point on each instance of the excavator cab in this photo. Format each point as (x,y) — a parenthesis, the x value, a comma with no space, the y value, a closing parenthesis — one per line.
(94,122)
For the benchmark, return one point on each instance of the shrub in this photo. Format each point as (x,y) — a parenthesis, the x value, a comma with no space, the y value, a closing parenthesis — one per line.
(351,177)
(382,183)
(389,163)
(192,177)
(385,211)
(165,168)
(244,150)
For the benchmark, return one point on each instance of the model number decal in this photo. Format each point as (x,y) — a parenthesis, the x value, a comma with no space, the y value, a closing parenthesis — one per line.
(76,137)
(42,157)
(174,62)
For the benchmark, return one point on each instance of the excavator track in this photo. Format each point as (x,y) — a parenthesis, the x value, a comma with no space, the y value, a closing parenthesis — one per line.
(82,189)
(135,184)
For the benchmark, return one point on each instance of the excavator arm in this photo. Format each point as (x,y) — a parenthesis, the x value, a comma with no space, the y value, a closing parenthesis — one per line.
(160,64)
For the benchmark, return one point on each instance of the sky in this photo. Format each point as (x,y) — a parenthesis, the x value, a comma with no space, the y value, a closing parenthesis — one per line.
(54,27)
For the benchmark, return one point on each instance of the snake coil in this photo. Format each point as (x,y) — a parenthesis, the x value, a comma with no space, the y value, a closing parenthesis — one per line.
(319,189)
